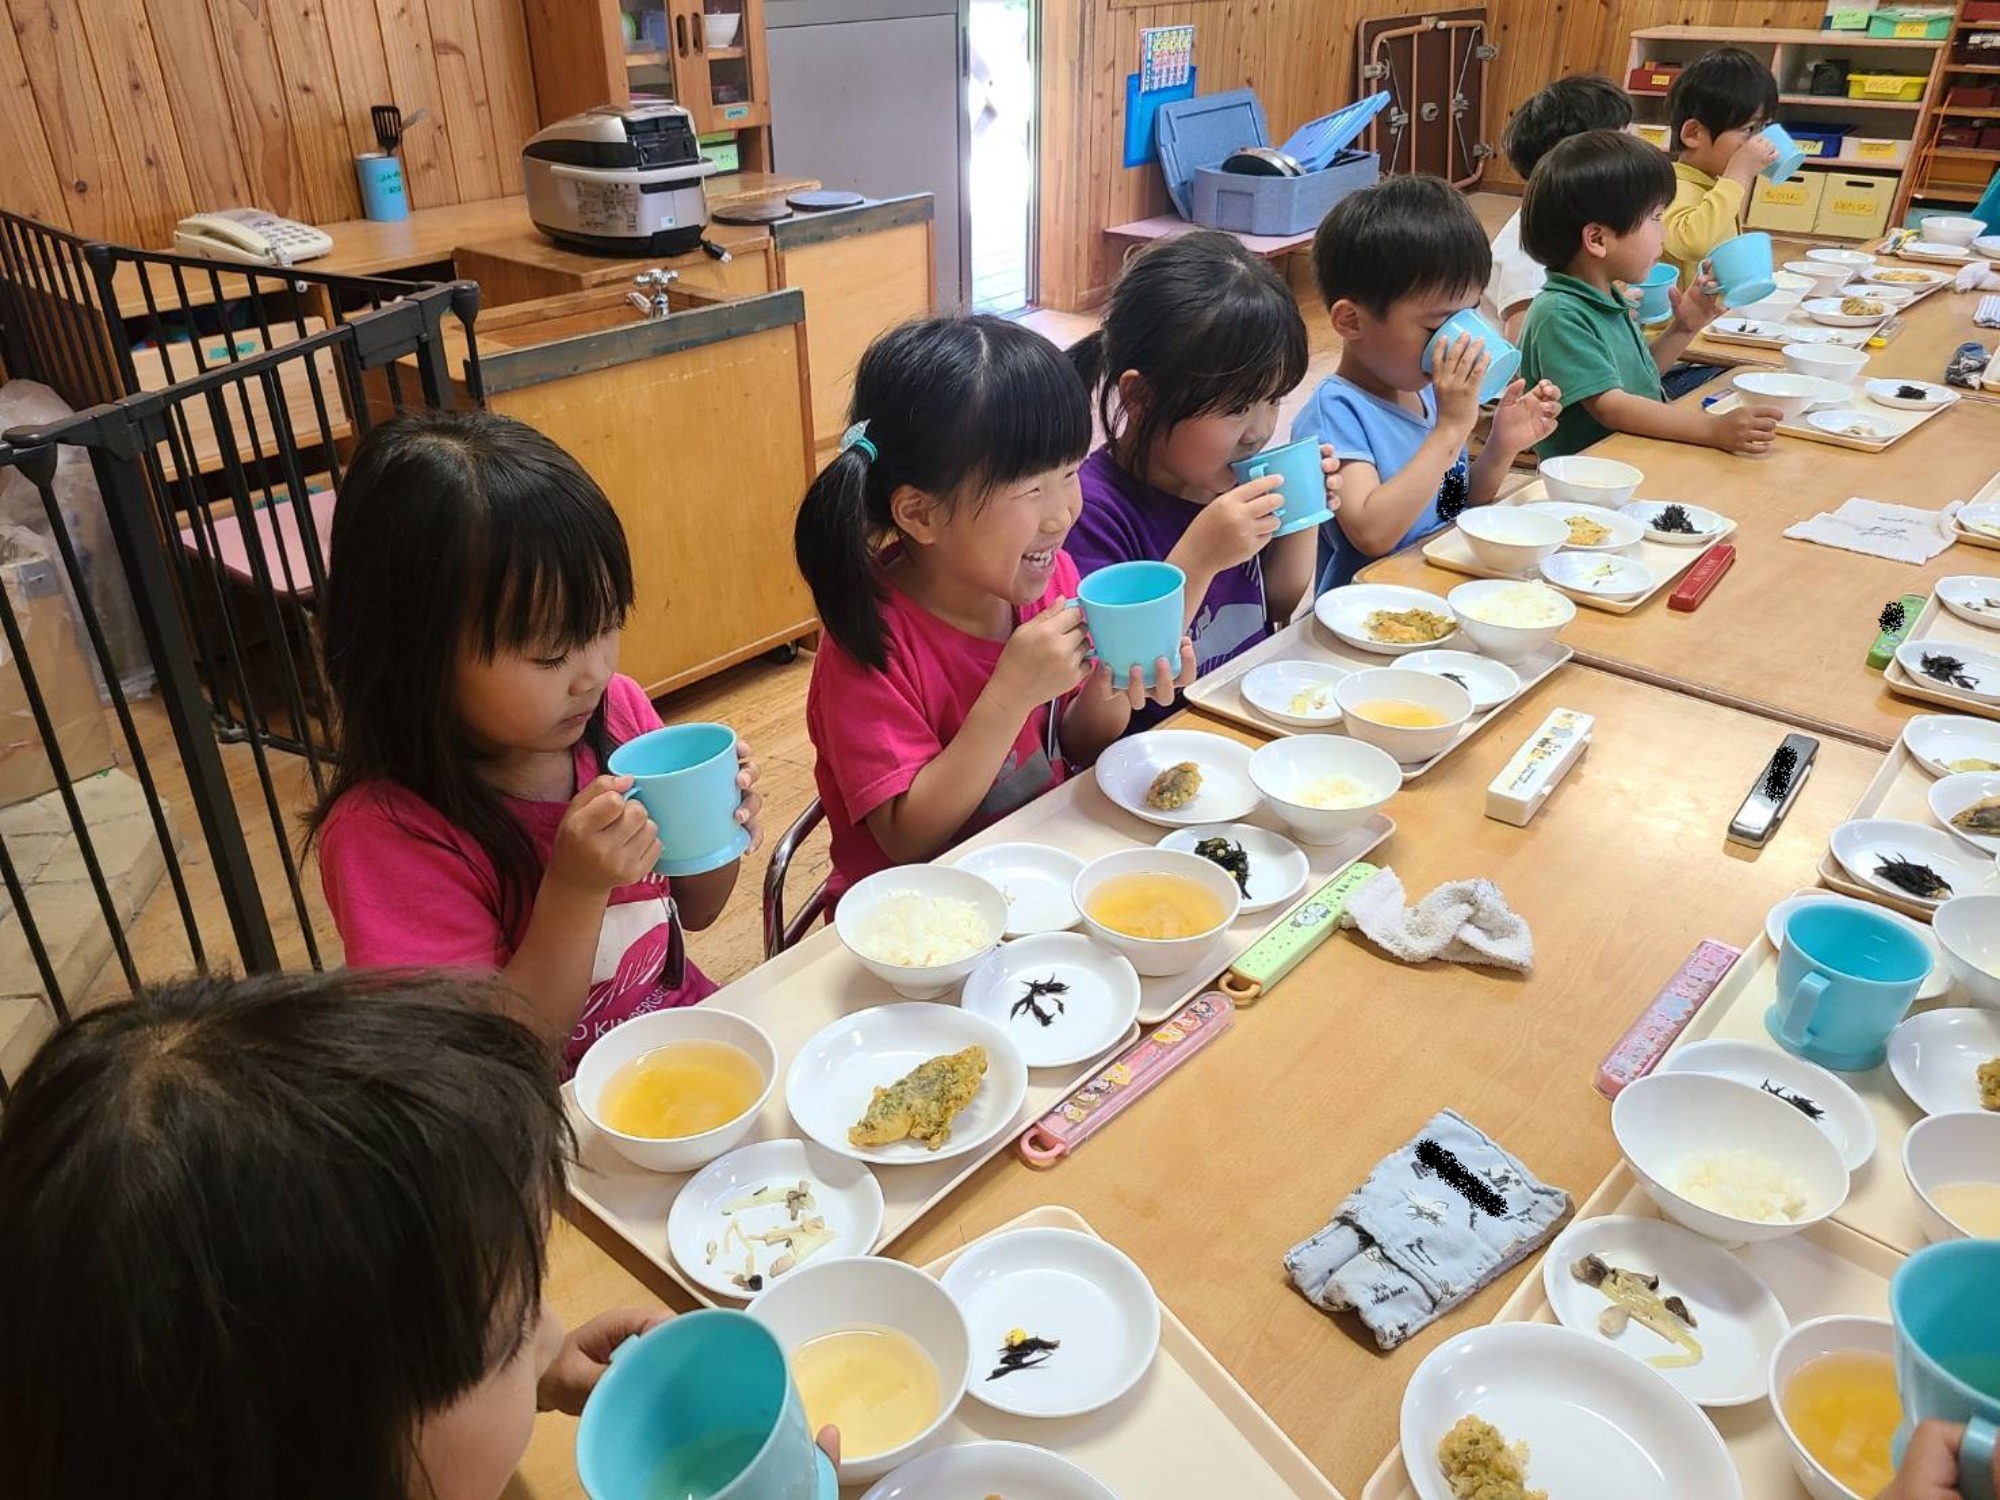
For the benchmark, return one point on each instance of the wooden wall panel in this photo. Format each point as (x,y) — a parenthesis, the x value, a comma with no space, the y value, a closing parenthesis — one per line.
(254,89)
(313,107)
(510,80)
(461,66)
(63,86)
(34,185)
(184,38)
(139,116)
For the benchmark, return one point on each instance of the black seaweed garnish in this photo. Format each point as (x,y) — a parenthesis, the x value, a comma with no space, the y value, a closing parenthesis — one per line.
(1034,992)
(1911,393)
(1798,1101)
(1230,856)
(1942,668)
(1023,1353)
(1919,880)
(1674,518)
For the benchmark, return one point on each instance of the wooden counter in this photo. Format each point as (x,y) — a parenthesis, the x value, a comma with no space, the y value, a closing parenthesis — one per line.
(525,264)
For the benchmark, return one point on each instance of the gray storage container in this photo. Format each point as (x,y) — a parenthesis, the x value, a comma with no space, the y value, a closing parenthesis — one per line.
(1197,135)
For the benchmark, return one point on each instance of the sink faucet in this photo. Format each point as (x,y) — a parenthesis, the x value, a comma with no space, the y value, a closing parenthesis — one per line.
(655,281)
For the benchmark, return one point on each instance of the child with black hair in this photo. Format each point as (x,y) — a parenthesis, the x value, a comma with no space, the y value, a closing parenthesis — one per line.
(1201,342)
(1394,262)
(476,587)
(953,684)
(1715,110)
(1567,107)
(1592,216)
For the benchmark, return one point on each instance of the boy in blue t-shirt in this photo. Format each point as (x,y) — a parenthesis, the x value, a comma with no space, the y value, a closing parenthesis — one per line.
(1393,262)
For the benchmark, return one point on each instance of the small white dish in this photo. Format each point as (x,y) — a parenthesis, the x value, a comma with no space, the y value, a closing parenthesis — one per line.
(1287,770)
(1490,682)
(1053,1028)
(1974,599)
(1757,328)
(1976,676)
(1033,879)
(1279,868)
(1159,957)
(1707,524)
(1624,531)
(1606,576)
(1846,422)
(844,1193)
(1903,276)
(1073,1290)
(1126,770)
(1738,1320)
(1895,296)
(1890,393)
(974,1469)
(1952,795)
(834,1076)
(1967,928)
(1981,520)
(1939,741)
(1585,1411)
(1935,1057)
(1936,984)
(661,1028)
(1841,1333)
(1863,844)
(1294,693)
(1942,1150)
(1988,245)
(1345,612)
(1834,1107)
(919,981)
(1853,259)
(1826,310)
(1578,480)
(1939,250)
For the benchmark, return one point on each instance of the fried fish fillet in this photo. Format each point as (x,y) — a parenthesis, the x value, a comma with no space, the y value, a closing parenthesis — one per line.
(1175,787)
(921,1105)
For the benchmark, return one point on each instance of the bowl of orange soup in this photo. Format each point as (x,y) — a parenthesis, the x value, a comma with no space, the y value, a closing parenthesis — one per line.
(674,1089)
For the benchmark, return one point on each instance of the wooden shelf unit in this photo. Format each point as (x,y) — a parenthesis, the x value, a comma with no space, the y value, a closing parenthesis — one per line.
(1955,176)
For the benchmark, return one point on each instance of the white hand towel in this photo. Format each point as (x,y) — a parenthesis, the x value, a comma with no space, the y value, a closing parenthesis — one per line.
(1901,533)
(1461,922)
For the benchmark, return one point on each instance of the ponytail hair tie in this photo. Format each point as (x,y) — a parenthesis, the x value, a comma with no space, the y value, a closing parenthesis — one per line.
(857,437)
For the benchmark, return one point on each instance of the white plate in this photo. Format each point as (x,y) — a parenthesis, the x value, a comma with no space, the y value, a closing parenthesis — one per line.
(1952,795)
(1738,1321)
(1344,610)
(1936,740)
(1490,682)
(1755,328)
(1939,250)
(1035,882)
(1271,688)
(1860,844)
(845,1194)
(1895,276)
(1848,423)
(1625,531)
(1278,867)
(1842,1115)
(1936,983)
(1827,310)
(1073,1289)
(973,1470)
(1858,259)
(1130,766)
(1707,524)
(1604,574)
(837,1071)
(1981,668)
(1895,296)
(1883,393)
(1089,1018)
(1585,1411)
(1936,1056)
(1973,598)
(1988,245)
(1982,519)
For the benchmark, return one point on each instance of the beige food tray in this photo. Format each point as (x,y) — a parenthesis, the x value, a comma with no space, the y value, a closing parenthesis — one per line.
(1221,692)
(1782,332)
(1989,491)
(1898,424)
(1901,790)
(1815,1273)
(1448,550)
(1187,1428)
(1939,626)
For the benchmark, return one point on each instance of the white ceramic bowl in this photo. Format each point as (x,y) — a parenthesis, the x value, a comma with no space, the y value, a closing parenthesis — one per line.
(1835,362)
(990,1469)
(1157,957)
(1981,666)
(1828,310)
(1127,771)
(1283,768)
(719,30)
(1590,481)
(1508,643)
(1344,611)
(692,1023)
(1088,1017)
(926,982)
(1952,229)
(1988,245)
(1937,740)
(1275,687)
(1935,1057)
(1843,1115)
(1863,844)
(867,1291)
(1402,684)
(1942,1150)
(1664,1118)
(1970,596)
(1490,682)
(1842,1333)
(1775,307)
(1033,879)
(1889,292)
(1604,575)
(1707,524)
(1822,276)
(1848,260)
(1968,929)
(1509,538)
(1791,394)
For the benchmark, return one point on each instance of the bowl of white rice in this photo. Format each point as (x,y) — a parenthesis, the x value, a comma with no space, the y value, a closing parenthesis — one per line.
(1728,1161)
(922,928)
(1510,621)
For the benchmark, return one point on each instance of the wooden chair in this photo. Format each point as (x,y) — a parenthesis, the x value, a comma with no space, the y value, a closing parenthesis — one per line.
(780,932)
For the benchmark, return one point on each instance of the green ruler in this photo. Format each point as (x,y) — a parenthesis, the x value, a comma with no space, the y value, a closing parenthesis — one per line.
(1887,642)
(1304,928)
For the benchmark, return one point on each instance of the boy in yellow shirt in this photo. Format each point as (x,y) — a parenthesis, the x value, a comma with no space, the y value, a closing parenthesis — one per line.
(1716,108)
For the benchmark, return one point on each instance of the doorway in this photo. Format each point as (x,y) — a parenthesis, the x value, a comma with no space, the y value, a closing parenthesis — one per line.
(1000,93)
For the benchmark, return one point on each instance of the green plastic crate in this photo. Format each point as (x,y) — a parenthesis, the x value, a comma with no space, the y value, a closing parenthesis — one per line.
(1910,25)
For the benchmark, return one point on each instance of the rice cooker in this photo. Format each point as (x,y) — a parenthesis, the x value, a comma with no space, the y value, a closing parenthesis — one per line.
(619,180)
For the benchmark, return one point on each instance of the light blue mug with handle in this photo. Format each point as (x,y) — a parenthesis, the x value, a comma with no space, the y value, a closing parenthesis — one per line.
(1655,302)
(1945,1304)
(1303,491)
(1742,267)
(1503,360)
(1791,155)
(700,1408)
(685,775)
(1846,977)
(1137,613)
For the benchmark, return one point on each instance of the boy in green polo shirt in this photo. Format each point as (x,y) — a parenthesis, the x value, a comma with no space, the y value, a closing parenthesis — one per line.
(1591,215)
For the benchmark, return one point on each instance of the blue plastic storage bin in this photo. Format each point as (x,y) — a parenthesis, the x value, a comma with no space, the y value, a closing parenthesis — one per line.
(1197,135)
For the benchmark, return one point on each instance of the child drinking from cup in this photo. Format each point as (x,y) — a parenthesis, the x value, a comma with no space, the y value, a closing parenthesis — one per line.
(1201,342)
(1395,263)
(1716,109)
(477,583)
(953,684)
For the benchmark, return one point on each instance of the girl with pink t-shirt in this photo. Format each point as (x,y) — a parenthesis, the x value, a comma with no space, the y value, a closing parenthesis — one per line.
(477,583)
(953,684)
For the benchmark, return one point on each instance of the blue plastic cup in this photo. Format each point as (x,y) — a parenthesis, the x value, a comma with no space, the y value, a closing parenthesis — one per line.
(1503,360)
(1846,977)
(1137,613)
(686,777)
(1655,305)
(1791,155)
(380,178)
(700,1408)
(1303,492)
(1743,266)
(1947,1321)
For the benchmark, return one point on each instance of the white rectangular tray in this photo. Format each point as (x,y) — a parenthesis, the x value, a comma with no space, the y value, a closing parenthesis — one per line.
(1220,693)
(1988,491)
(1819,1271)
(1940,626)
(1897,424)
(1186,1429)
(1900,789)
(1782,331)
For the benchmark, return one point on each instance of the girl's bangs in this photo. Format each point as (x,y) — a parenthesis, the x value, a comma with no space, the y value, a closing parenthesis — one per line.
(552,587)
(1252,352)
(1033,415)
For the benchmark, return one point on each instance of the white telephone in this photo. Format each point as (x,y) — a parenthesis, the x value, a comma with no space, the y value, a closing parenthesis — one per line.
(250,234)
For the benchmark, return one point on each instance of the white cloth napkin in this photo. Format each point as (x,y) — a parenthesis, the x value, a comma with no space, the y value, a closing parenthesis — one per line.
(1461,922)
(1901,533)
(1979,276)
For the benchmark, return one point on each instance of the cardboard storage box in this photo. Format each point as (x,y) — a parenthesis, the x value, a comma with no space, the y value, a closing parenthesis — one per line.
(1197,135)
(1876,150)
(56,649)
(1652,78)
(1855,208)
(1789,207)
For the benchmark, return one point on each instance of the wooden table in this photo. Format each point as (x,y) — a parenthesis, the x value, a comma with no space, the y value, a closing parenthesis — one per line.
(1787,630)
